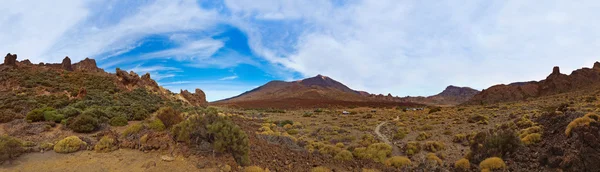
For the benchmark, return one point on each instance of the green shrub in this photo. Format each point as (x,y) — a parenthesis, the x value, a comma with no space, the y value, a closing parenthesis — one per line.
(69,111)
(53,116)
(344,155)
(398,162)
(228,137)
(494,143)
(118,121)
(156,125)
(168,116)
(10,148)
(69,144)
(132,130)
(378,152)
(97,113)
(37,115)
(82,123)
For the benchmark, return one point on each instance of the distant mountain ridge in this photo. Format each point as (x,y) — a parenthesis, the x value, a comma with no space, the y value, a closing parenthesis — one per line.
(555,83)
(452,95)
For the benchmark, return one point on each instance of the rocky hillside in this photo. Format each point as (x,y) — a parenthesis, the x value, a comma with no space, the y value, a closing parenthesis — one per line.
(25,86)
(452,95)
(555,83)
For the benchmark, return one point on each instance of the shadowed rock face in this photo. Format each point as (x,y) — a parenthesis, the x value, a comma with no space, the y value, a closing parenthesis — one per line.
(555,83)
(132,79)
(197,99)
(66,64)
(10,59)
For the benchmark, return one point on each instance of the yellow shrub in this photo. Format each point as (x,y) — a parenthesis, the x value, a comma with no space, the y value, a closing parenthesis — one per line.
(459,138)
(582,121)
(378,152)
(433,159)
(253,169)
(398,162)
(423,136)
(369,170)
(106,144)
(344,155)
(69,144)
(287,126)
(462,164)
(532,139)
(329,149)
(320,169)
(493,163)
(434,146)
(412,148)
(133,129)
(339,145)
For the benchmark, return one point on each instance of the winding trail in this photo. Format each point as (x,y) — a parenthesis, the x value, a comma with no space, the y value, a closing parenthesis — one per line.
(395,149)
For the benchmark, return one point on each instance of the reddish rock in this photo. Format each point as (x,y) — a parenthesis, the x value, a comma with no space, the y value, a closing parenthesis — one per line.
(66,64)
(197,99)
(26,62)
(10,59)
(88,65)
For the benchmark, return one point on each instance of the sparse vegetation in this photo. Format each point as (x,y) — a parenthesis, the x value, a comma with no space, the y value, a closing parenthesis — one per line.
(462,165)
(582,121)
(378,152)
(344,155)
(168,116)
(432,146)
(412,148)
(106,144)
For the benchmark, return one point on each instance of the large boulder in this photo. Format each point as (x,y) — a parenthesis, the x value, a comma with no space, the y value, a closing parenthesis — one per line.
(197,99)
(10,59)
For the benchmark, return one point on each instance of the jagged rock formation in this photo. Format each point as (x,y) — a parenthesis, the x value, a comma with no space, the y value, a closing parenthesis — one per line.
(10,60)
(88,65)
(66,64)
(196,99)
(132,79)
(555,83)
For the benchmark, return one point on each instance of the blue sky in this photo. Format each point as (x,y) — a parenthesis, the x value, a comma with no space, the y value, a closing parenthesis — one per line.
(226,47)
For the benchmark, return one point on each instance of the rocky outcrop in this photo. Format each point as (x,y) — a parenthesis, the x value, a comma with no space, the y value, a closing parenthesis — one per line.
(132,79)
(10,60)
(82,93)
(87,65)
(66,64)
(197,99)
(555,83)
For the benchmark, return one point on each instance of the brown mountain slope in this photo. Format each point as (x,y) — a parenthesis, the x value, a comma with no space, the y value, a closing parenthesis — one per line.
(553,84)
(316,91)
(452,95)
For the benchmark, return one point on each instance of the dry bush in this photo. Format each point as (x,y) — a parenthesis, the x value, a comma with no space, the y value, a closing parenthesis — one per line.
(10,148)
(581,121)
(423,136)
(106,144)
(378,152)
(320,169)
(169,116)
(494,143)
(344,155)
(398,162)
(412,148)
(493,163)
(433,146)
(462,165)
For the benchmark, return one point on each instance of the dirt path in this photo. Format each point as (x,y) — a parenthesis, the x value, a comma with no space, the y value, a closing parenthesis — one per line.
(395,149)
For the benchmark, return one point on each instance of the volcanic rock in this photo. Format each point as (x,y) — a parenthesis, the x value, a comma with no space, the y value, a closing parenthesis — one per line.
(197,99)
(88,65)
(66,64)
(10,59)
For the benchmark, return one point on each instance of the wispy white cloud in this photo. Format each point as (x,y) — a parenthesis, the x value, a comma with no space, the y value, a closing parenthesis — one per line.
(229,78)
(419,47)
